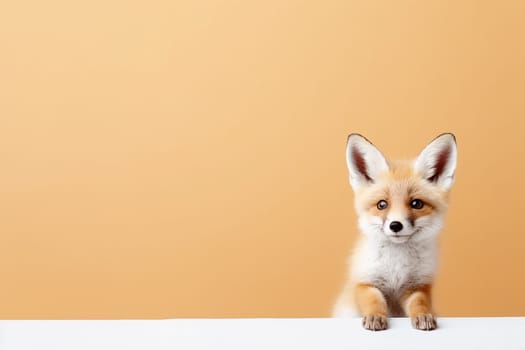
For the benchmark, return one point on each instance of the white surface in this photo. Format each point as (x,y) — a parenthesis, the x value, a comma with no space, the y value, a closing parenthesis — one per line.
(454,333)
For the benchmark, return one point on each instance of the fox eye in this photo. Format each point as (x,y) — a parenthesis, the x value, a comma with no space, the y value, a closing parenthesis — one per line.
(382,204)
(416,203)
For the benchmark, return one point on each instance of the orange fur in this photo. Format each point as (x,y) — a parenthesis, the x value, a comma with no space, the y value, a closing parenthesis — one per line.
(417,300)
(398,187)
(369,300)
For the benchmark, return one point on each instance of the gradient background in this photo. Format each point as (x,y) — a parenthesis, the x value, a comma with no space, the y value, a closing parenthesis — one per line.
(186,159)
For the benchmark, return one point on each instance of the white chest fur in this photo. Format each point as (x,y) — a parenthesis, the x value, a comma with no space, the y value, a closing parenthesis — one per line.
(391,266)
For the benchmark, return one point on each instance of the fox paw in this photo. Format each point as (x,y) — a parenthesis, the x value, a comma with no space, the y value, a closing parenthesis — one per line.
(424,322)
(375,322)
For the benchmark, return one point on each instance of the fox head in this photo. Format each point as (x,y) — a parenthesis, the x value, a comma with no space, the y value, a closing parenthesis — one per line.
(401,201)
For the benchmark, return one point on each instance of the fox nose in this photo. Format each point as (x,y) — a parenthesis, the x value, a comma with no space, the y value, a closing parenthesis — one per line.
(396,226)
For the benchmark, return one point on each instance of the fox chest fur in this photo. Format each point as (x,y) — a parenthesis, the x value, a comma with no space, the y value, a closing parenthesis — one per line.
(393,268)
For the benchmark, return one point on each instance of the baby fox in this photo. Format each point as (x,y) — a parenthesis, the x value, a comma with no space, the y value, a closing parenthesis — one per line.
(401,207)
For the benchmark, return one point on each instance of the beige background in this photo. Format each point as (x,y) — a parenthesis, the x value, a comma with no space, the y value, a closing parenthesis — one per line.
(186,159)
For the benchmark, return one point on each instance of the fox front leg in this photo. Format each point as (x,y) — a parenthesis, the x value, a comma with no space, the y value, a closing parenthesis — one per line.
(372,305)
(417,303)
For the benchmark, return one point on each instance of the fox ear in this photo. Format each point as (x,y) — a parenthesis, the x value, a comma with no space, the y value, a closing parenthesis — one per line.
(365,162)
(437,161)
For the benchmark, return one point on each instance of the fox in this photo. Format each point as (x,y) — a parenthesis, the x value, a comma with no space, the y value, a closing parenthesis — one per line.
(401,206)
